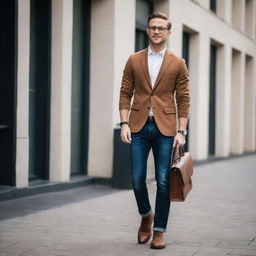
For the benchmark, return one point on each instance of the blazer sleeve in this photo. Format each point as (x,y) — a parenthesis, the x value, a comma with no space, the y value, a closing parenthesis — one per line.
(182,91)
(127,86)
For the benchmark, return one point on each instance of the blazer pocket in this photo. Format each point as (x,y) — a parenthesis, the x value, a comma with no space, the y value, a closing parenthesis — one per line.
(135,106)
(169,110)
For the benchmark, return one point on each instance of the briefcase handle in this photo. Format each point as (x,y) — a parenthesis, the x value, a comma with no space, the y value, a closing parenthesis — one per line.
(177,153)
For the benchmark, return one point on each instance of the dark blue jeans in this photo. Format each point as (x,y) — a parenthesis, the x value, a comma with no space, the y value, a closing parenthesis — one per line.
(150,137)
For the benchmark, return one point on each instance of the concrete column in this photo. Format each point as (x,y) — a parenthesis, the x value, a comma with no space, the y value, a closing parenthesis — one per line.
(224,10)
(60,131)
(253,20)
(223,91)
(112,41)
(254,88)
(199,90)
(238,14)
(123,45)
(242,6)
(237,103)
(249,106)
(250,18)
(175,39)
(22,150)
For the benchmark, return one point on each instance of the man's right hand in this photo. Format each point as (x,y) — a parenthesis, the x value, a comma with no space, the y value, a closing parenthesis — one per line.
(126,134)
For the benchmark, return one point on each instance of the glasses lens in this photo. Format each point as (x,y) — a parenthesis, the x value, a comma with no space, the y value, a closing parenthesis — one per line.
(160,29)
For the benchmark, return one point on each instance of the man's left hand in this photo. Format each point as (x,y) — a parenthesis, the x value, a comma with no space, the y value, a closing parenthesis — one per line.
(179,140)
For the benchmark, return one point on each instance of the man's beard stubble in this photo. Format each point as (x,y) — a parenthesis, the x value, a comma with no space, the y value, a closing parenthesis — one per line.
(162,42)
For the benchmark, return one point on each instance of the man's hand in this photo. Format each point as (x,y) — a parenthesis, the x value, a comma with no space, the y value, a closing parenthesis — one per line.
(179,140)
(126,134)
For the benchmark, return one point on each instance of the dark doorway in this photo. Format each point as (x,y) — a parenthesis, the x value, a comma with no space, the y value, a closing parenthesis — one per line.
(185,56)
(80,87)
(212,100)
(8,85)
(39,88)
(213,5)
(143,9)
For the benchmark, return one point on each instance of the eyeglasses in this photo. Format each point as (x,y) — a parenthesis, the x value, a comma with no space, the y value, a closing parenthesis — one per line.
(160,29)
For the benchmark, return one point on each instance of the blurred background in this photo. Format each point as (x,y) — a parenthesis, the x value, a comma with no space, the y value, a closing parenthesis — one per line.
(61,67)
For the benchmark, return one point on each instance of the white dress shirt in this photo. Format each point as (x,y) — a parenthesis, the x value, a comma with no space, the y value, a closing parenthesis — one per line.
(154,64)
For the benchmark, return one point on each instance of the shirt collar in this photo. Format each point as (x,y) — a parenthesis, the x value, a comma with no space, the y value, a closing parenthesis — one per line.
(161,53)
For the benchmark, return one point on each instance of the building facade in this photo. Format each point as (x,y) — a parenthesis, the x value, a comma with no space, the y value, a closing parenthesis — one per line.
(62,63)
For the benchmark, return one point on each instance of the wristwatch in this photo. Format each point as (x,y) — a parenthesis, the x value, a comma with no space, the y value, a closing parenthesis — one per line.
(122,123)
(183,132)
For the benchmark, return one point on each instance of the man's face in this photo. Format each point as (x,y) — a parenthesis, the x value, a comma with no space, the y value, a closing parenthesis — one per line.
(157,31)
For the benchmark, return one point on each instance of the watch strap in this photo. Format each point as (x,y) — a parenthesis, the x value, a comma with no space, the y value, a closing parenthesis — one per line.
(122,123)
(183,132)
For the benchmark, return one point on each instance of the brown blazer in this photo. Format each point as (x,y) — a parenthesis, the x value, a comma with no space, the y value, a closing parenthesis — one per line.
(172,77)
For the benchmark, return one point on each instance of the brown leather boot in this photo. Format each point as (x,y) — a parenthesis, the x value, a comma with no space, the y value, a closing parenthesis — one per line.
(145,230)
(158,240)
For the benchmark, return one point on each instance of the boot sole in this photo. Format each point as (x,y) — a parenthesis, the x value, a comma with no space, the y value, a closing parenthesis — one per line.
(145,241)
(157,247)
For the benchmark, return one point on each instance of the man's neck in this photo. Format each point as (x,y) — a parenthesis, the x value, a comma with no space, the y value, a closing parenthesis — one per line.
(157,48)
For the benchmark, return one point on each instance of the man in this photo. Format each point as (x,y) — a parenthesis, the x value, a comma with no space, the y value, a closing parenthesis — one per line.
(158,81)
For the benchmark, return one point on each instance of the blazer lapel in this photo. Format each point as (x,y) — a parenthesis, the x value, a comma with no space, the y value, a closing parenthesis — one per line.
(144,64)
(166,62)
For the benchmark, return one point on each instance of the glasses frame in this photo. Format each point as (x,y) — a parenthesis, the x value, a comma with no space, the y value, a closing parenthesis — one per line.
(160,29)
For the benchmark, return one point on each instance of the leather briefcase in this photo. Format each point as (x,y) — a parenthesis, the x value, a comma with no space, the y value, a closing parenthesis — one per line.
(181,170)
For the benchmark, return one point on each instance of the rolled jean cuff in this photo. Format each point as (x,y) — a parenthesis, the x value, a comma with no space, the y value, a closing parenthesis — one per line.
(146,214)
(159,229)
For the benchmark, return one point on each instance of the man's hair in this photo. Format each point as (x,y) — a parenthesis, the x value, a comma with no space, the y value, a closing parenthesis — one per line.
(160,15)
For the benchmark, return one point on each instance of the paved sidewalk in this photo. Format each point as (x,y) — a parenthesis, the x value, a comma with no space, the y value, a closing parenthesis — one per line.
(218,218)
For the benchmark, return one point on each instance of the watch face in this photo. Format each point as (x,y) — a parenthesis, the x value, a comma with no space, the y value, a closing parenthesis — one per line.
(183,132)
